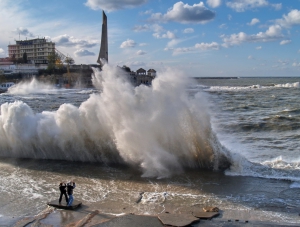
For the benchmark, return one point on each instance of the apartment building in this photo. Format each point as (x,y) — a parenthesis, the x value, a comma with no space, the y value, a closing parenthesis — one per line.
(37,50)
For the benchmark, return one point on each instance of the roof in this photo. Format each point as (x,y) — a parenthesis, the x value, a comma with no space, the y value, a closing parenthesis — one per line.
(151,71)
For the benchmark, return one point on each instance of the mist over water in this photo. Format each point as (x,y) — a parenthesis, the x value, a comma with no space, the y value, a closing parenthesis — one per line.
(32,87)
(160,129)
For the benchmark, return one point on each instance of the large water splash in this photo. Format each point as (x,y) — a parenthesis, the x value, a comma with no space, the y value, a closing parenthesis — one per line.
(31,87)
(160,129)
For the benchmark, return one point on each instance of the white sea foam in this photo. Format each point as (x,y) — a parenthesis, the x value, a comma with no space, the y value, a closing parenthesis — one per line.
(153,197)
(159,128)
(32,87)
(234,88)
(252,87)
(274,169)
(288,85)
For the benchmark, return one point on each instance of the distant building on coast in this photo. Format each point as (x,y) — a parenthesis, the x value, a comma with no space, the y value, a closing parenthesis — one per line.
(37,50)
(141,76)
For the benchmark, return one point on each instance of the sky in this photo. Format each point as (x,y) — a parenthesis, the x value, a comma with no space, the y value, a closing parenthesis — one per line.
(210,38)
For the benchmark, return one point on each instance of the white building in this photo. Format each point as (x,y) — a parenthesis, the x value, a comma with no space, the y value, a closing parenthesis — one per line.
(37,50)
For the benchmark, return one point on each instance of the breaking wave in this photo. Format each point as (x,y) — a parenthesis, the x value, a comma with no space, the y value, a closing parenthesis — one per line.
(252,87)
(31,87)
(277,168)
(160,129)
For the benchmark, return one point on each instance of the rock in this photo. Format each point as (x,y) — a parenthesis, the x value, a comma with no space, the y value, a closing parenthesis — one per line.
(211,209)
(177,219)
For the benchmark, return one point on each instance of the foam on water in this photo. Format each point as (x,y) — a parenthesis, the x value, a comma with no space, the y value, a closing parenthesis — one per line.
(31,87)
(276,168)
(159,129)
(288,85)
(252,87)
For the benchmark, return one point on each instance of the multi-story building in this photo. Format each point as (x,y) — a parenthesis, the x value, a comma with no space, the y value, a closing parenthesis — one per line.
(37,50)
(141,76)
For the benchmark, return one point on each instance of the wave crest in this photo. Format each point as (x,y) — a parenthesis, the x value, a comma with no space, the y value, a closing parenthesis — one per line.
(159,129)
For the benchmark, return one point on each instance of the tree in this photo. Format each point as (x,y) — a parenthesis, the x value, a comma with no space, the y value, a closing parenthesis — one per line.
(69,61)
(54,60)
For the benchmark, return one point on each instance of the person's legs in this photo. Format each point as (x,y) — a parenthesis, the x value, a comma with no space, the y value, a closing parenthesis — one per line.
(70,200)
(66,197)
(60,197)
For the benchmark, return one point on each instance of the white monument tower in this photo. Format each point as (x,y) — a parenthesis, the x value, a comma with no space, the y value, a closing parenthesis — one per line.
(103,54)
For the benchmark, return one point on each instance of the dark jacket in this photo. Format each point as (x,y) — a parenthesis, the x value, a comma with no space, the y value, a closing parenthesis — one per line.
(70,188)
(62,187)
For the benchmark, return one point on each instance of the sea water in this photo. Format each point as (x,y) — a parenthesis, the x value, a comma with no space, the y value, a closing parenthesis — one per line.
(169,143)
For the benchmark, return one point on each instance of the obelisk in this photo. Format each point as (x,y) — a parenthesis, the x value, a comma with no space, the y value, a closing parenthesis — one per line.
(103,54)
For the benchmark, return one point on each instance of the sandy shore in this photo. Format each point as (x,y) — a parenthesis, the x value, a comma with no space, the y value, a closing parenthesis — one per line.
(104,216)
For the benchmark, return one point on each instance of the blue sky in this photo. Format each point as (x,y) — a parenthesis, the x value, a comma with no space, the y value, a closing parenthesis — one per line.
(201,38)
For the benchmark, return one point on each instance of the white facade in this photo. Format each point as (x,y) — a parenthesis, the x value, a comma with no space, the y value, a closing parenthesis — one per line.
(37,50)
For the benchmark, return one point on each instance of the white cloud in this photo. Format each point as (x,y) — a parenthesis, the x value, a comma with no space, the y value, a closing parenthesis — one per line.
(147,12)
(258,48)
(293,18)
(272,34)
(277,6)
(174,42)
(250,57)
(284,42)
(112,5)
(214,3)
(223,26)
(180,50)
(140,52)
(70,41)
(243,5)
(141,28)
(23,31)
(253,21)
(299,51)
(128,43)
(208,46)
(201,46)
(188,30)
(143,44)
(167,35)
(296,64)
(83,53)
(2,52)
(184,13)
(229,17)
(157,28)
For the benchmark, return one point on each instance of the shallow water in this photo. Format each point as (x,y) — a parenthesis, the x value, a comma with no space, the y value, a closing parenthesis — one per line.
(27,185)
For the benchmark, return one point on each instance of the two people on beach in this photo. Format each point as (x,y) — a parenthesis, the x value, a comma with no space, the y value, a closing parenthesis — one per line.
(67,191)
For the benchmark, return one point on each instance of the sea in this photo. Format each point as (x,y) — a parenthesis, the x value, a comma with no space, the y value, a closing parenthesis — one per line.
(178,144)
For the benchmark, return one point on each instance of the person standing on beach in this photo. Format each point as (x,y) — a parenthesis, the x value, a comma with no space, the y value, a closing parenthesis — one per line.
(70,187)
(63,191)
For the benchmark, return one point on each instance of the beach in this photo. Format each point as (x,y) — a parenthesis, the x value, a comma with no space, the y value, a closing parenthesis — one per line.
(241,200)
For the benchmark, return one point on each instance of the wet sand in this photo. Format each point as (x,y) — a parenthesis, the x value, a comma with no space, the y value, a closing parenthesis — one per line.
(108,193)
(85,217)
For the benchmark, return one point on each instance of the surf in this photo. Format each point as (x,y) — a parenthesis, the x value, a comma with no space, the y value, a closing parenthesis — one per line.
(159,129)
